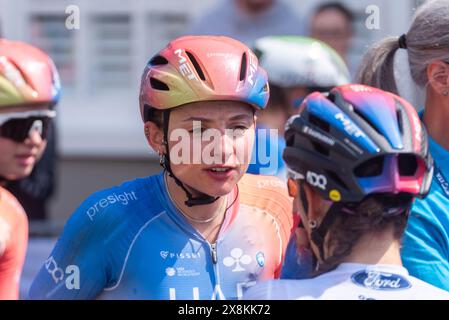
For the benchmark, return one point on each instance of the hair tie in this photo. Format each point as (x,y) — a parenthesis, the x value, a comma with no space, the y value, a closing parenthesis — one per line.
(402,41)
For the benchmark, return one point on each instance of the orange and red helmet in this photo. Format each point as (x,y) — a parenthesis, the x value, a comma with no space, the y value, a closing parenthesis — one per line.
(203,68)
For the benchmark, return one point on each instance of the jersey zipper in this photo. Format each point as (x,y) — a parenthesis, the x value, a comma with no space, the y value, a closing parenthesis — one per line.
(213,247)
(217,285)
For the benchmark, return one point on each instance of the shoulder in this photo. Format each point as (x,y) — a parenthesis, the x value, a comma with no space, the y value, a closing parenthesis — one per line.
(424,290)
(10,208)
(13,221)
(283,290)
(112,207)
(265,190)
(268,194)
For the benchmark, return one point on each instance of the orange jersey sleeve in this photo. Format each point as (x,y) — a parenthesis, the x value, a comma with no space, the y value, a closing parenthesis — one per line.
(270,194)
(13,244)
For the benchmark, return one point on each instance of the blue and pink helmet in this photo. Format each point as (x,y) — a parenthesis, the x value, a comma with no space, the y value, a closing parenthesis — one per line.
(358,141)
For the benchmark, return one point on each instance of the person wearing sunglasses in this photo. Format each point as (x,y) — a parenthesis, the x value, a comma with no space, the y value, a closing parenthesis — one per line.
(359,157)
(29,90)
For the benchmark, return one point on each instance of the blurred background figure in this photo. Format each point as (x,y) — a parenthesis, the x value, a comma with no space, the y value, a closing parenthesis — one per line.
(332,23)
(29,87)
(247,20)
(35,191)
(296,66)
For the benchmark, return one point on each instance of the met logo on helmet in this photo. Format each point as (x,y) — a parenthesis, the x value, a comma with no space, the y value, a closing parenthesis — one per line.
(252,68)
(349,127)
(184,67)
(417,127)
(360,88)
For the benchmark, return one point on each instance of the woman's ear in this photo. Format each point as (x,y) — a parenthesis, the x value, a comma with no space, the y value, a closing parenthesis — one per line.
(438,75)
(155,137)
(318,207)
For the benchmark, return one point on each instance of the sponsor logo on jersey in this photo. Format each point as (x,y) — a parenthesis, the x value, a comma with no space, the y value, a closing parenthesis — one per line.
(237,260)
(181,272)
(71,273)
(260,258)
(123,198)
(170,271)
(377,280)
(183,255)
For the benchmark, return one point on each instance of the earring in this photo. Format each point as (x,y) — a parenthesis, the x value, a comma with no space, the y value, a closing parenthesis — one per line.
(161,158)
(147,132)
(312,224)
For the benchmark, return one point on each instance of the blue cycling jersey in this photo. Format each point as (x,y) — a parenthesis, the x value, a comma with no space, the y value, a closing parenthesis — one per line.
(131,242)
(425,251)
(267,154)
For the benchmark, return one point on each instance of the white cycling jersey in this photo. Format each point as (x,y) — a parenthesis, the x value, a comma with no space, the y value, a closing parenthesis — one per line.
(351,281)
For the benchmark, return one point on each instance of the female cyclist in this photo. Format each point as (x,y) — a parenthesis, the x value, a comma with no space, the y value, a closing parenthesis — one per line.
(418,61)
(200,229)
(29,89)
(360,156)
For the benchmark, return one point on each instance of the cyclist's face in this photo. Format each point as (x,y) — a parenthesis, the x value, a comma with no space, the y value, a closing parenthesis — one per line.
(17,160)
(211,143)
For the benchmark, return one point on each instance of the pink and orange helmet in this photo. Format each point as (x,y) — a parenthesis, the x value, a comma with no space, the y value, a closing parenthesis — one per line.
(203,68)
(27,76)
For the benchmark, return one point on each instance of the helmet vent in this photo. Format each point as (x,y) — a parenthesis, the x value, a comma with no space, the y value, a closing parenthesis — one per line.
(400,123)
(320,148)
(243,67)
(408,164)
(320,123)
(158,85)
(158,60)
(196,65)
(370,168)
(289,140)
(368,121)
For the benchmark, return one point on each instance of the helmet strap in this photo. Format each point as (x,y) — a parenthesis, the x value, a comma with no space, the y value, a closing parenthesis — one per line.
(191,201)
(318,233)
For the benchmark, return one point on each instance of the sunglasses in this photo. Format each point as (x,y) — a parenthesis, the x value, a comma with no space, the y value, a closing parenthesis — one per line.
(18,126)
